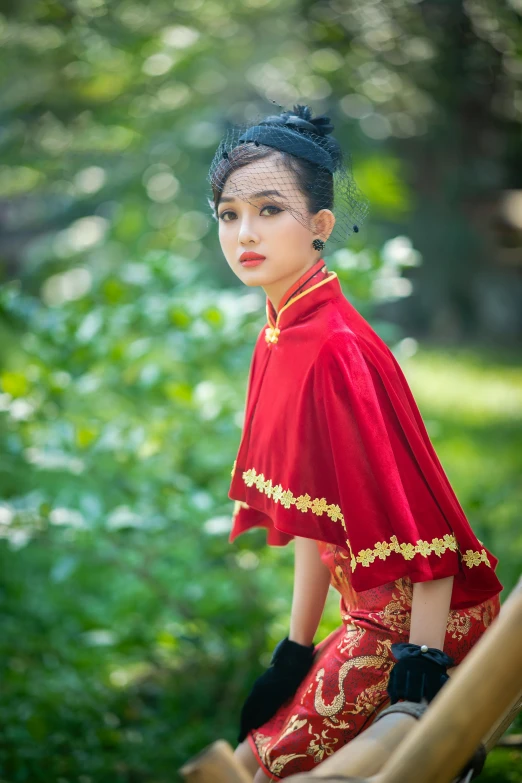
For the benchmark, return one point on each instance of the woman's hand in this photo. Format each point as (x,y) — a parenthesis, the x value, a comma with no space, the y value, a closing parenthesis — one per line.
(288,667)
(419,674)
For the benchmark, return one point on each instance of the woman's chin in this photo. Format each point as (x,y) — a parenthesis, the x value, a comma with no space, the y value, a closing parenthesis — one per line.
(254,275)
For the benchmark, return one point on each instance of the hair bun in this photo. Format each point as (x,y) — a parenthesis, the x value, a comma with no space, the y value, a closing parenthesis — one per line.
(301,119)
(321,125)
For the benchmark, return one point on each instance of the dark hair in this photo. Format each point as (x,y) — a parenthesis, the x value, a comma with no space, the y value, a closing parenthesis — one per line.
(315,182)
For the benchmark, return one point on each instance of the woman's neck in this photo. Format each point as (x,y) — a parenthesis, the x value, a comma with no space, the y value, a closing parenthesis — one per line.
(310,277)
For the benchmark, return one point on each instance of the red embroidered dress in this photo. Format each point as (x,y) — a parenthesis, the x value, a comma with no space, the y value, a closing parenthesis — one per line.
(334,449)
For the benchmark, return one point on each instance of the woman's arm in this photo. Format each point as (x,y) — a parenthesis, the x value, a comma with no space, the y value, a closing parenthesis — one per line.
(311,583)
(429,612)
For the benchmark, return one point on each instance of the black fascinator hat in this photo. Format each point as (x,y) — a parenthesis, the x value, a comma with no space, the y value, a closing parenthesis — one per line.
(310,171)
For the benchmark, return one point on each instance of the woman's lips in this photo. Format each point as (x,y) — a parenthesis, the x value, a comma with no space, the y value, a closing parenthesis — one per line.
(252,261)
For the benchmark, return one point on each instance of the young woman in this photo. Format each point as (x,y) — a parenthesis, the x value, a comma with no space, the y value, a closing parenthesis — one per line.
(335,456)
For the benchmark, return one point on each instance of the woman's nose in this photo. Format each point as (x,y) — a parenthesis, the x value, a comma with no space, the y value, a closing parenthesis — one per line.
(246,229)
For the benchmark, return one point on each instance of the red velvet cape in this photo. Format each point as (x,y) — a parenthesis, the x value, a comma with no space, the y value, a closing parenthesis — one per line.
(334,449)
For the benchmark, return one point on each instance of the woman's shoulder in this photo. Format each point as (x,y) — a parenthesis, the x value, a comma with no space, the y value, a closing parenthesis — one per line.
(353,340)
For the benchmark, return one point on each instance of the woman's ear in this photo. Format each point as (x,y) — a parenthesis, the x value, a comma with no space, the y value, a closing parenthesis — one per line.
(323,223)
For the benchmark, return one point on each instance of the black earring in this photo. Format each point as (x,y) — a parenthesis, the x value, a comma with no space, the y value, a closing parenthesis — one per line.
(318,244)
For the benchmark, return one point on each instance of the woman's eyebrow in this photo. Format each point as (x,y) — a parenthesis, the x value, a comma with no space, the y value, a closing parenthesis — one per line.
(255,195)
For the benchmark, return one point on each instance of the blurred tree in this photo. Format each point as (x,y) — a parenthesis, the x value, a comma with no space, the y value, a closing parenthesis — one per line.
(438,84)
(112,110)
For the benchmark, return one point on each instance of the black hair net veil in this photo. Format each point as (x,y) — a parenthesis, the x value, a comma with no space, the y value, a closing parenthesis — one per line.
(329,169)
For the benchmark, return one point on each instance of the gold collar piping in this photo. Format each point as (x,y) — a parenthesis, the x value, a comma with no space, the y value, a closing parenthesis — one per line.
(272,331)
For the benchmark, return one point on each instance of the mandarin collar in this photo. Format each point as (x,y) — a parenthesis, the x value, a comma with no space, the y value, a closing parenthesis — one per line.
(302,304)
(307,280)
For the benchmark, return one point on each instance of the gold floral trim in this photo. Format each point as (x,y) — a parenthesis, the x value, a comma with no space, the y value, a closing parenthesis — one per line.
(383,549)
(272,331)
(473,558)
(365,557)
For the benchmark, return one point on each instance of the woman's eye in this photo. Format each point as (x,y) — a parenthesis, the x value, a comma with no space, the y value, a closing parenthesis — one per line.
(229,212)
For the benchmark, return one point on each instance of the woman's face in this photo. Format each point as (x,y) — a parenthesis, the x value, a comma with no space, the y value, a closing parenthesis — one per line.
(266,226)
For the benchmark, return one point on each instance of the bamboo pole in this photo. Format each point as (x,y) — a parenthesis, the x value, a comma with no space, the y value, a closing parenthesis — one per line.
(215,764)
(495,733)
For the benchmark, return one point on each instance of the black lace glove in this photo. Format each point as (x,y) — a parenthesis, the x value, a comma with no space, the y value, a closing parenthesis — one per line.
(288,667)
(420,672)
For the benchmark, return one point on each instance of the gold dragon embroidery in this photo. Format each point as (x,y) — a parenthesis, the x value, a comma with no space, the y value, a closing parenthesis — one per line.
(322,745)
(263,742)
(366,701)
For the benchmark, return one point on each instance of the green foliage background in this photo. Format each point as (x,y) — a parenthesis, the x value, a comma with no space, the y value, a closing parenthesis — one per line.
(130,628)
